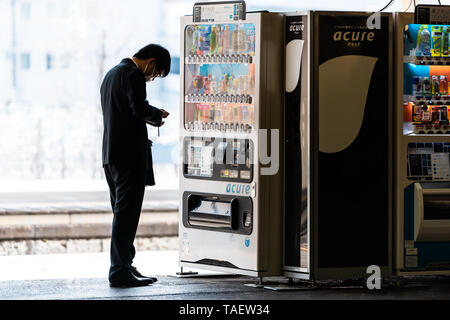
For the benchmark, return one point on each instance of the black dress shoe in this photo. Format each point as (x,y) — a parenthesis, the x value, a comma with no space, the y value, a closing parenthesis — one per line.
(128,279)
(137,274)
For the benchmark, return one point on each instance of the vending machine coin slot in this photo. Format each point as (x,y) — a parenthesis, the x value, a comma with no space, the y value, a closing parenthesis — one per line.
(247,219)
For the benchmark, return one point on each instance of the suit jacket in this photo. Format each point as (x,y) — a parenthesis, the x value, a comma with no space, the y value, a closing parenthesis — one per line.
(125,114)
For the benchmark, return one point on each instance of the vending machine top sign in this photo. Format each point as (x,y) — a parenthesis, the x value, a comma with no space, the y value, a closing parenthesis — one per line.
(219,11)
(431,14)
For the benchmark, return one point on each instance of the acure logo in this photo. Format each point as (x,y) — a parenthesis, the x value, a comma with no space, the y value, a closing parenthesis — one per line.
(237,188)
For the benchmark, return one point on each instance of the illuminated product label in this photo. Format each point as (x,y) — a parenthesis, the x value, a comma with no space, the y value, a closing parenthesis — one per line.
(237,188)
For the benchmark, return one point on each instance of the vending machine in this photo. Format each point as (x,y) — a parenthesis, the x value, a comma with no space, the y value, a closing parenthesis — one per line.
(230,216)
(422,143)
(337,185)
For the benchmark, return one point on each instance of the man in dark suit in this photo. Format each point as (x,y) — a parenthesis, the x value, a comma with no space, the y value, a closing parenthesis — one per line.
(126,152)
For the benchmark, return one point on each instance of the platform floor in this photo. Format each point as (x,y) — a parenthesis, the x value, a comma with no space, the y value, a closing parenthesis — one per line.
(83,276)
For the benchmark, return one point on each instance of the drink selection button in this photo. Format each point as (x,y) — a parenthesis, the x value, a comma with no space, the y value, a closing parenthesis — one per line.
(245,174)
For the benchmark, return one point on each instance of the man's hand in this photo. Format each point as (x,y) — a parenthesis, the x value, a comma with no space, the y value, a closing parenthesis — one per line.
(165,114)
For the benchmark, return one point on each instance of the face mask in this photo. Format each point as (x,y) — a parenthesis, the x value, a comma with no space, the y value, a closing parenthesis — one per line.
(148,78)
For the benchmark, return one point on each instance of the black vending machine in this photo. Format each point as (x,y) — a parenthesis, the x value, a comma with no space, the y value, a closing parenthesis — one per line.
(337,178)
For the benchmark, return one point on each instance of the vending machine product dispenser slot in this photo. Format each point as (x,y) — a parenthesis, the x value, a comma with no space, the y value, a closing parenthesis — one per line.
(431,212)
(218,213)
(211,213)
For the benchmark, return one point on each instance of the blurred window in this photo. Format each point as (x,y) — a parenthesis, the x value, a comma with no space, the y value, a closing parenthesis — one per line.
(175,65)
(50,61)
(25,61)
(25,10)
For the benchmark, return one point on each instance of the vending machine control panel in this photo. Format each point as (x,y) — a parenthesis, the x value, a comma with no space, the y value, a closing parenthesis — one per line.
(429,161)
(218,159)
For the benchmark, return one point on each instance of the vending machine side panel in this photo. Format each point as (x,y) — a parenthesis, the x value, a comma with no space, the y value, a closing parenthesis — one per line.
(352,203)
(297,190)
(402,19)
(271,123)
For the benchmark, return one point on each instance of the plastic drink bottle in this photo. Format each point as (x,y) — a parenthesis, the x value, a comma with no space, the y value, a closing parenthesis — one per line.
(445,42)
(417,86)
(424,40)
(195,41)
(443,85)
(219,39)
(226,40)
(435,85)
(251,39)
(212,41)
(426,86)
(205,31)
(213,85)
(235,39)
(436,41)
(241,39)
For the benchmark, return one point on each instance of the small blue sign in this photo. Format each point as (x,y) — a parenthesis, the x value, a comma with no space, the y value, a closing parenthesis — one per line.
(247,242)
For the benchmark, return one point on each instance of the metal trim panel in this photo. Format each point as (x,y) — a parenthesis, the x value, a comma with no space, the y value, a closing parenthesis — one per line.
(244,272)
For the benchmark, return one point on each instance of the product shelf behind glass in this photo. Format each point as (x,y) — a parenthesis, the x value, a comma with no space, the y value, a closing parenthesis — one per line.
(426,98)
(219,77)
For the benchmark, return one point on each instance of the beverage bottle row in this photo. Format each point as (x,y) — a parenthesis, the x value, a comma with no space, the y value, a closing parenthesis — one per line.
(223,113)
(223,39)
(423,114)
(424,86)
(226,84)
(435,43)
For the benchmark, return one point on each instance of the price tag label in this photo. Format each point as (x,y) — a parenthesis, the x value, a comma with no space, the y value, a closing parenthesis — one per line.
(219,11)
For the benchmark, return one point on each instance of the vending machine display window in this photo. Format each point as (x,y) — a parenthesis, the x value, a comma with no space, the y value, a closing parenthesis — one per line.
(219,77)
(426,74)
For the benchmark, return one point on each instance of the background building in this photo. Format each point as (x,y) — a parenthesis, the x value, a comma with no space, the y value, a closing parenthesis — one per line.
(53,57)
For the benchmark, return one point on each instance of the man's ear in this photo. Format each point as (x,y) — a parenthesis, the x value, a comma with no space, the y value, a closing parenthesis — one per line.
(151,60)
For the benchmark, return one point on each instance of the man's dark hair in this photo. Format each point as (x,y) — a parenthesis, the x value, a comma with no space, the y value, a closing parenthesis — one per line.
(161,55)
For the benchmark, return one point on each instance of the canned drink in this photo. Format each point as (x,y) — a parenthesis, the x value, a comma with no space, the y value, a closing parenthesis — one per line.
(436,115)
(426,86)
(417,86)
(426,117)
(417,113)
(435,85)
(443,85)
